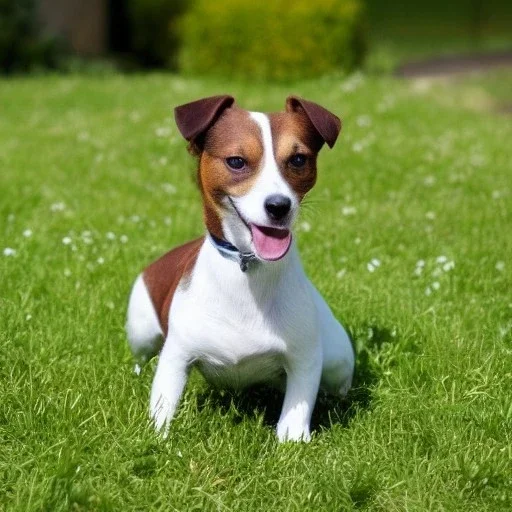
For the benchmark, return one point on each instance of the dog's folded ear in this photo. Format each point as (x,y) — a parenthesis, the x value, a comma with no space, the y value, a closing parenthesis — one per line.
(325,123)
(193,119)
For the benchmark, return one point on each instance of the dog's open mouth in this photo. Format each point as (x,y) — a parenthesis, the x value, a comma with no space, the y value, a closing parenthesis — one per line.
(271,244)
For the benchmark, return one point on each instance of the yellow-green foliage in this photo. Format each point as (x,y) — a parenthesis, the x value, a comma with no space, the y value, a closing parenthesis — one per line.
(282,39)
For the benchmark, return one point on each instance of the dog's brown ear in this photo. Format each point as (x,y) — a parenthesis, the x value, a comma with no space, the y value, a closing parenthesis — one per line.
(194,118)
(325,123)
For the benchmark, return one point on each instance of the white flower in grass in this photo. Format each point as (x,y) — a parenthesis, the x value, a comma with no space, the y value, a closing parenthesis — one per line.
(167,221)
(430,215)
(364,120)
(349,210)
(305,226)
(100,260)
(66,240)
(11,217)
(110,235)
(429,181)
(123,239)
(428,291)
(169,188)
(163,160)
(110,305)
(28,317)
(352,82)
(163,131)
(420,263)
(437,272)
(27,233)
(341,273)
(500,266)
(441,259)
(375,262)
(135,218)
(418,271)
(449,265)
(57,207)
(357,147)
(357,241)
(436,285)
(370,267)
(67,272)
(9,251)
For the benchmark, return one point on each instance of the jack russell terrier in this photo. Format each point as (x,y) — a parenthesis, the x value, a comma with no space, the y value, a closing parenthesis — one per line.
(236,303)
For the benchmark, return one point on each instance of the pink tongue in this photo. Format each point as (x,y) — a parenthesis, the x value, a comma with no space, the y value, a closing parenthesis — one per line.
(270,243)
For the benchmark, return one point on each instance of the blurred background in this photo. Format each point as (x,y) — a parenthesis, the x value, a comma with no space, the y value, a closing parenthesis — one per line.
(279,40)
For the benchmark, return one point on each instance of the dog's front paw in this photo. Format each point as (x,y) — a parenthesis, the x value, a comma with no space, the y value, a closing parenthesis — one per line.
(161,413)
(294,432)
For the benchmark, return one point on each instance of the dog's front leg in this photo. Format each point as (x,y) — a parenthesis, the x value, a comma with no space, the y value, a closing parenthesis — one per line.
(168,384)
(302,383)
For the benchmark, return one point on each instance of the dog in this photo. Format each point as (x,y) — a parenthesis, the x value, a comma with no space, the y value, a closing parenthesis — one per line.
(236,303)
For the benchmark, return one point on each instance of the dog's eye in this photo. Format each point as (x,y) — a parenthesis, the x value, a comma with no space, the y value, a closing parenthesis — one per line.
(236,162)
(298,160)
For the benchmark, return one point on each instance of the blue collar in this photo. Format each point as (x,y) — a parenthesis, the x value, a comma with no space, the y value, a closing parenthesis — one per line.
(232,253)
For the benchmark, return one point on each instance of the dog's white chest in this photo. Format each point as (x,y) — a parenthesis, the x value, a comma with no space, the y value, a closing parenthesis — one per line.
(236,328)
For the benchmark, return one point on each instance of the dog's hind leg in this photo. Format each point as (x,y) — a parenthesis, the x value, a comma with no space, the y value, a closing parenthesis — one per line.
(145,335)
(338,354)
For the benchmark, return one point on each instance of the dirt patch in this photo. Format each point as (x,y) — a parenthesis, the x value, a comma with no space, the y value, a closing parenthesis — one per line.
(455,64)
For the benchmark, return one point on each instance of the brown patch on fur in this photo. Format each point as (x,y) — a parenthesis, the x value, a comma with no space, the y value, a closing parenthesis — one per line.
(293,133)
(234,134)
(164,275)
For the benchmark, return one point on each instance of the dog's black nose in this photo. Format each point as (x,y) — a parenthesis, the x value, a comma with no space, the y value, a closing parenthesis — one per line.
(277,206)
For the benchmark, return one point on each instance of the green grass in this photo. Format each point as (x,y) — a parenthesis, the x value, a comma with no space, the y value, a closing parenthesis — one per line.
(97,162)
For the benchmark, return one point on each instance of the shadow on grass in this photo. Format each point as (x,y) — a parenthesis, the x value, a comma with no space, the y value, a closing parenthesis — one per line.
(265,401)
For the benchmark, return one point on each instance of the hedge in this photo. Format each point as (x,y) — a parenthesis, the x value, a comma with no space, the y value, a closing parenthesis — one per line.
(282,39)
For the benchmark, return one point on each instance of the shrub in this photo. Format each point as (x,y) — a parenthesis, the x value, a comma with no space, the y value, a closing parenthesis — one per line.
(285,39)
(22,46)
(153,30)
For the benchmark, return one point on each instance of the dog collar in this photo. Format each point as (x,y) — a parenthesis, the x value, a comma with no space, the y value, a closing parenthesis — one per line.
(232,253)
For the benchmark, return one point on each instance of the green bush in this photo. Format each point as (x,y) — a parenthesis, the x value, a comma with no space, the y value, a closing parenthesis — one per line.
(153,30)
(22,46)
(283,39)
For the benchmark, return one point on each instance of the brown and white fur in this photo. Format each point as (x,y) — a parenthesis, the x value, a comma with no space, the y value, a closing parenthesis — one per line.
(258,321)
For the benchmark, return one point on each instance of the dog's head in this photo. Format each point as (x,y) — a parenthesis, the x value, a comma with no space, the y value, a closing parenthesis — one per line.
(254,168)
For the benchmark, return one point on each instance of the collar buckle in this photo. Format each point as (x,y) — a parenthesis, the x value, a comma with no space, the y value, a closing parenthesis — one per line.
(229,251)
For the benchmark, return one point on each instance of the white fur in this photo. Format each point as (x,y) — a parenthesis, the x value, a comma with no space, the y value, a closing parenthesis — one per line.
(268,324)
(142,326)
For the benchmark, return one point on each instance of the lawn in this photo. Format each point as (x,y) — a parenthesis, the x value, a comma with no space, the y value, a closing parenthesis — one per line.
(408,235)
